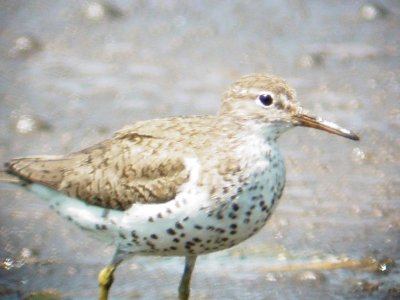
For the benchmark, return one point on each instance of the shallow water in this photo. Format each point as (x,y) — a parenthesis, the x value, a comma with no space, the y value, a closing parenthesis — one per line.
(72,72)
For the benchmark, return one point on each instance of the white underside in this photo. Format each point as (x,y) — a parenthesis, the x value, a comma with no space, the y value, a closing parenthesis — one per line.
(189,208)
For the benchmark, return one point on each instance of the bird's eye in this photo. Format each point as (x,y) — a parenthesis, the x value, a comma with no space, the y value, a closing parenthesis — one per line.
(266,99)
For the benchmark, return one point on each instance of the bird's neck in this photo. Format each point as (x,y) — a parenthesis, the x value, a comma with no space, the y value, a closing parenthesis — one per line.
(239,129)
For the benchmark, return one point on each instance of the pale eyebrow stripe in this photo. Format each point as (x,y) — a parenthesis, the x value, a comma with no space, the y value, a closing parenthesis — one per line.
(254,92)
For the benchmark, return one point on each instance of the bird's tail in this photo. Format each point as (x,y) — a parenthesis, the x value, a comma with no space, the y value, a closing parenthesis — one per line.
(9,178)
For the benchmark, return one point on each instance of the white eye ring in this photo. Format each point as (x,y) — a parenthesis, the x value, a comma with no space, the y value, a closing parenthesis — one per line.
(265,99)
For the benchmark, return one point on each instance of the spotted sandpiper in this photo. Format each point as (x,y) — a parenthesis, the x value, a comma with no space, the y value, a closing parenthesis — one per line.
(180,186)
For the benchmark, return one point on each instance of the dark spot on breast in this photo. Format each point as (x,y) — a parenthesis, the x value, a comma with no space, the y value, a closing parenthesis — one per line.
(172,248)
(101,227)
(233,226)
(176,240)
(151,219)
(151,245)
(154,236)
(199,227)
(185,219)
(189,244)
(178,225)
(169,211)
(210,228)
(122,236)
(182,235)
(196,240)
(233,232)
(232,216)
(171,231)
(159,215)
(252,187)
(246,221)
(235,206)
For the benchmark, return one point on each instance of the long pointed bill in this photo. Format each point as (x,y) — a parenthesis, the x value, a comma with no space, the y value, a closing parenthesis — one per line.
(318,123)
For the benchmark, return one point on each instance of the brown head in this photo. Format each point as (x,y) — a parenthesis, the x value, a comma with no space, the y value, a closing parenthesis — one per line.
(266,100)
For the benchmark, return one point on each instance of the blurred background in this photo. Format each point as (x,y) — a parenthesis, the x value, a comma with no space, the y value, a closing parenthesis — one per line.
(72,72)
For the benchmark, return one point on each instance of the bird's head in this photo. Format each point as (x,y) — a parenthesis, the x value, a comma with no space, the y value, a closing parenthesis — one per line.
(265,100)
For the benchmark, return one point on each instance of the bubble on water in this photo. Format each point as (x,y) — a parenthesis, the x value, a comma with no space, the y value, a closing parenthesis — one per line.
(25,46)
(97,11)
(26,123)
(312,277)
(8,263)
(372,11)
(311,60)
(385,266)
(271,277)
(26,253)
(358,155)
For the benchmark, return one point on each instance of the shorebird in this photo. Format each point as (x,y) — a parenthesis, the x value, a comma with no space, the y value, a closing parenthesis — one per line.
(180,186)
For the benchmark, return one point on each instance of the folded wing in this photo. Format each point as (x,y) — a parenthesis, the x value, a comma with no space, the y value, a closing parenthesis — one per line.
(129,168)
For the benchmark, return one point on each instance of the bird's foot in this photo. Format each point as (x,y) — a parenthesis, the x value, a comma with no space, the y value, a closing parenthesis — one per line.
(105,280)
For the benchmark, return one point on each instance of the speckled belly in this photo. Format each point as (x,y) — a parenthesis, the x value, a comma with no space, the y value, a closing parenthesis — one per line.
(192,229)
(189,224)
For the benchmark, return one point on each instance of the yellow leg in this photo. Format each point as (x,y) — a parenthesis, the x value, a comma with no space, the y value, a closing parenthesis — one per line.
(105,280)
(184,286)
(106,276)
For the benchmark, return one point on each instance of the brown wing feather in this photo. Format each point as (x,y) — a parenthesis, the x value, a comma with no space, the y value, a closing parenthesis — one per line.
(130,168)
(142,163)
(47,170)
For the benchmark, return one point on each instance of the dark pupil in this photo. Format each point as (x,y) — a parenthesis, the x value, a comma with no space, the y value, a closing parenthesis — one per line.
(266,99)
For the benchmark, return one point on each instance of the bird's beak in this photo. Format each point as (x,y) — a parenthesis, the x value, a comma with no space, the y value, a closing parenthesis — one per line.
(318,123)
